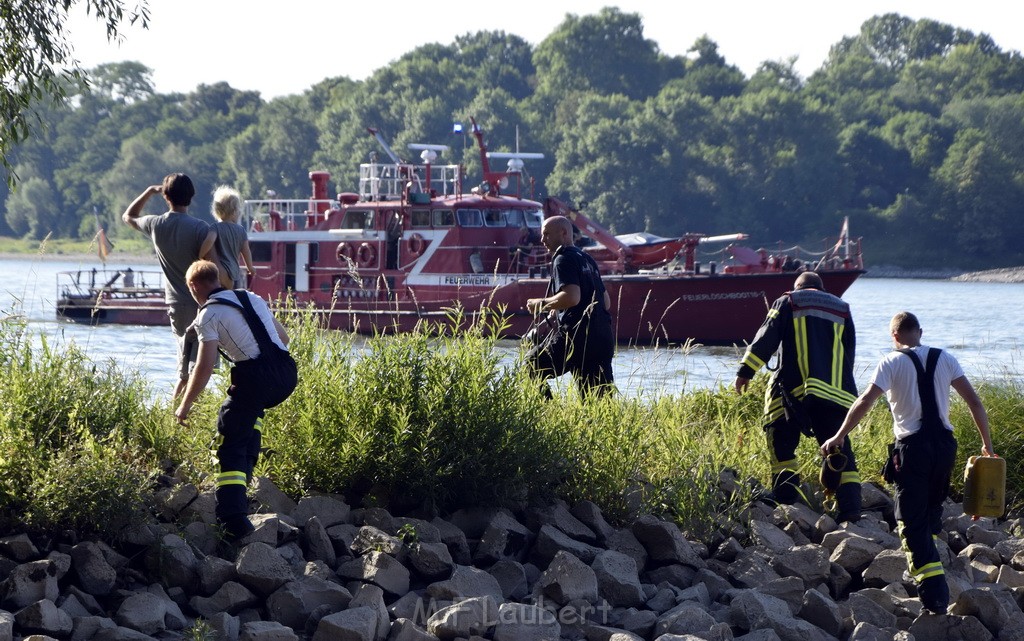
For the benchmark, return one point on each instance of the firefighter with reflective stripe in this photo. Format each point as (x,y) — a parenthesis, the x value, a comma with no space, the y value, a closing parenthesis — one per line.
(810,390)
(916,379)
(226,328)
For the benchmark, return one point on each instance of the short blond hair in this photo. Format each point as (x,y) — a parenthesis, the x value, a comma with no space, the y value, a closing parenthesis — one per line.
(227,203)
(902,322)
(203,271)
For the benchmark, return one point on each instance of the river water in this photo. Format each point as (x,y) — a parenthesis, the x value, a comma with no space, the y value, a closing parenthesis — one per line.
(975,321)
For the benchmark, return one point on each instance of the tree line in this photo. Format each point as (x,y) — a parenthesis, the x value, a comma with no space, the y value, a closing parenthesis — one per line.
(913,129)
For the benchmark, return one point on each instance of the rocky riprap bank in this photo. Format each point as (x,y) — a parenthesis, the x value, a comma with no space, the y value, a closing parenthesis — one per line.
(319,570)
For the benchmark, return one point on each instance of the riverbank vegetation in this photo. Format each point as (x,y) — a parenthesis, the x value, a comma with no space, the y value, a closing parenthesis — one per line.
(419,423)
(907,125)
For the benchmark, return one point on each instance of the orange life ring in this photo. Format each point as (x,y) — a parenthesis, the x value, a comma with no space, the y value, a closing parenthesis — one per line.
(366,255)
(345,252)
(416,245)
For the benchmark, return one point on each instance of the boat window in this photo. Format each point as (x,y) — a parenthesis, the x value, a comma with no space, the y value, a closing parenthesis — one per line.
(260,251)
(470,218)
(494,218)
(357,220)
(420,217)
(534,218)
(514,218)
(444,218)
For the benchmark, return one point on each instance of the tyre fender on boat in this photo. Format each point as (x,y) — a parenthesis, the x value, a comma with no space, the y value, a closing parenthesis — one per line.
(366,255)
(416,245)
(345,252)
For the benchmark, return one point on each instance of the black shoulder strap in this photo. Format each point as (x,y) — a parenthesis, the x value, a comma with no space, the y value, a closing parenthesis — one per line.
(256,326)
(926,386)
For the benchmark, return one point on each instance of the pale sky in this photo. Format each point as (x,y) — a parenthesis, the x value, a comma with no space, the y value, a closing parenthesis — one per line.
(282,47)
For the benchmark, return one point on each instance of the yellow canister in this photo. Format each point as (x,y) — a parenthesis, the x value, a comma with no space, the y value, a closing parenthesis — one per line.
(985,486)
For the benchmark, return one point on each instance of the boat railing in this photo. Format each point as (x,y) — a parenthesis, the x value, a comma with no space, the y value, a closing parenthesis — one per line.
(288,215)
(390,181)
(114,283)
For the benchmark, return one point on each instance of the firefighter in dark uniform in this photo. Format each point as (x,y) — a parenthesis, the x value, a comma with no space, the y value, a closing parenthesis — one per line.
(811,389)
(581,304)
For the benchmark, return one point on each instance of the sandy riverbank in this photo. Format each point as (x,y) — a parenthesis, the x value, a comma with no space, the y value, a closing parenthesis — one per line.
(117,258)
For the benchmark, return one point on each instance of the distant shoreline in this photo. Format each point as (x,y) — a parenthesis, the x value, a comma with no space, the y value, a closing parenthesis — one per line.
(83,257)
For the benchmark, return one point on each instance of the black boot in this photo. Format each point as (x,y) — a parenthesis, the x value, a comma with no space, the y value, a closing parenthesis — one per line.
(848,500)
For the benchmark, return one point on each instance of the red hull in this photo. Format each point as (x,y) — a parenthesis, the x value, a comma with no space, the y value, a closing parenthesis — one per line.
(707,309)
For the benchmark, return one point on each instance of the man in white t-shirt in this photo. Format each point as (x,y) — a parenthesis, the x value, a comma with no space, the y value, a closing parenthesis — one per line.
(916,379)
(240,325)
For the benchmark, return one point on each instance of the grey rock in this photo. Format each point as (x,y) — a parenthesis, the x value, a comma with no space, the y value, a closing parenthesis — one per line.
(603,633)
(28,583)
(685,618)
(511,577)
(626,542)
(984,606)
(638,622)
(406,630)
(372,539)
(465,582)
(788,589)
(262,569)
(318,544)
(455,539)
(888,567)
(470,617)
(355,624)
(268,498)
(175,563)
(423,531)
(770,536)
(751,569)
(170,501)
(215,572)
(266,631)
(144,612)
(331,511)
(88,627)
(431,560)
(854,554)
(380,569)
(503,538)
(561,518)
(231,598)
(18,547)
(617,579)
(752,610)
(664,542)
(810,563)
(821,611)
(550,541)
(371,596)
(293,602)
(43,617)
(949,628)
(866,610)
(590,515)
(567,579)
(225,626)
(93,573)
(523,622)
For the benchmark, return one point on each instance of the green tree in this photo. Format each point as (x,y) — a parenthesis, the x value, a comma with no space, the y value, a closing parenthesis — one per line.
(36,59)
(32,209)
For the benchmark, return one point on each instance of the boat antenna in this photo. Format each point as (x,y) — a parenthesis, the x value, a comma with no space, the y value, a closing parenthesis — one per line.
(387,148)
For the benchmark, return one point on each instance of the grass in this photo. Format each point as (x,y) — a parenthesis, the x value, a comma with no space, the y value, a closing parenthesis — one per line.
(420,422)
(136,245)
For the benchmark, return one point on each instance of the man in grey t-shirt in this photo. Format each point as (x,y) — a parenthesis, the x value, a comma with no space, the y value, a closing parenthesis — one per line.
(177,238)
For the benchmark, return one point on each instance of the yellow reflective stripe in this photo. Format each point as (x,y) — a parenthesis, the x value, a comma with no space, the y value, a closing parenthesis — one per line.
(773,313)
(259,425)
(231,478)
(837,356)
(928,570)
(752,361)
(849,477)
(800,337)
(785,466)
(821,389)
